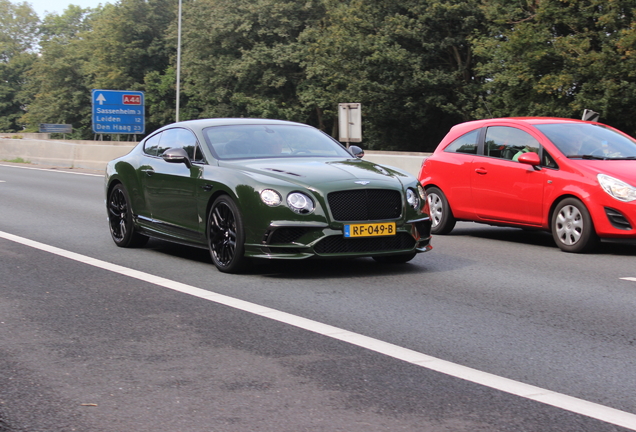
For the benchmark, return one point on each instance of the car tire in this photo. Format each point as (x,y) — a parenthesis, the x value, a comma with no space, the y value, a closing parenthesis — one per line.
(395,259)
(226,236)
(120,219)
(572,227)
(442,217)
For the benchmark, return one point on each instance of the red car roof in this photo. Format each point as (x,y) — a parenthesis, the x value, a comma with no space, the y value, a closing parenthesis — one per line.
(517,120)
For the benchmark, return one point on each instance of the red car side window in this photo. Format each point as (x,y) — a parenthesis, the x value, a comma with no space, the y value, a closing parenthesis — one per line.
(509,143)
(466,143)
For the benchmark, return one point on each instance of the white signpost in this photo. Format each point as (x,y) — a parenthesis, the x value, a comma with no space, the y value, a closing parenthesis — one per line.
(350,122)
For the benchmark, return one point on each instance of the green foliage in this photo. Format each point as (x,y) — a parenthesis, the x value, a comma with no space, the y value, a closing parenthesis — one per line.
(12,80)
(559,57)
(113,48)
(17,160)
(127,41)
(57,90)
(160,98)
(407,62)
(417,66)
(18,29)
(241,58)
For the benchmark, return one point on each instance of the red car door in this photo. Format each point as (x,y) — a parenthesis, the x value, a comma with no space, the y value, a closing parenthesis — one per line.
(502,188)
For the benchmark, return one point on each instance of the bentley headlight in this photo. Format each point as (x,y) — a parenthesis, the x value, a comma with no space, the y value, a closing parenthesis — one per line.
(300,203)
(617,188)
(421,192)
(412,198)
(271,197)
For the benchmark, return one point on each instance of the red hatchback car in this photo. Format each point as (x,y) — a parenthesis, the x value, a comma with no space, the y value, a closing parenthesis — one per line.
(574,178)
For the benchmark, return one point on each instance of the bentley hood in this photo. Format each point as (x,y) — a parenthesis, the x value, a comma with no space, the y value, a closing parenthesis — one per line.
(316,172)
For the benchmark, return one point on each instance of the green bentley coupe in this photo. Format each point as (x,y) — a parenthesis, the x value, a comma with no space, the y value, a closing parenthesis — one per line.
(257,188)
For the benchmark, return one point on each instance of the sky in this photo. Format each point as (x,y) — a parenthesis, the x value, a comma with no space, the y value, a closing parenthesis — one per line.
(59,6)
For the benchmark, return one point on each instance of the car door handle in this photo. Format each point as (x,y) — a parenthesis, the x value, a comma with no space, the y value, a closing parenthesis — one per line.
(148,171)
(481,171)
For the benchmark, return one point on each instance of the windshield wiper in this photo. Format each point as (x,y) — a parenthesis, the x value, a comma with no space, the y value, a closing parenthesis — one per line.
(586,157)
(594,157)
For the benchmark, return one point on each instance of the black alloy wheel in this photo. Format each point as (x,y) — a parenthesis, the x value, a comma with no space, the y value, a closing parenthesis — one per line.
(120,219)
(226,237)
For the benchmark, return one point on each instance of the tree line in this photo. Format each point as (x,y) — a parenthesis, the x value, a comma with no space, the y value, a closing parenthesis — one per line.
(417,66)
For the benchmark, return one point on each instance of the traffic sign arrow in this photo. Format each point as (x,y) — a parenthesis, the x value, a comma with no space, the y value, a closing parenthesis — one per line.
(101,99)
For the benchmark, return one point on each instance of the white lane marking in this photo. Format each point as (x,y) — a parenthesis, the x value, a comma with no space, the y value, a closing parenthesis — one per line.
(60,170)
(568,403)
(633,279)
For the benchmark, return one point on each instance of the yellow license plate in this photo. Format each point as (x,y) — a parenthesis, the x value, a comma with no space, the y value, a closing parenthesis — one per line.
(370,229)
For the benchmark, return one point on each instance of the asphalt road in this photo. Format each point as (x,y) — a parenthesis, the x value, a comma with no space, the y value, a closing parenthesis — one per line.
(85,348)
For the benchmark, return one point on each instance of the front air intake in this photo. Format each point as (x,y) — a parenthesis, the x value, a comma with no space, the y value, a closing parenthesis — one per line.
(339,244)
(617,219)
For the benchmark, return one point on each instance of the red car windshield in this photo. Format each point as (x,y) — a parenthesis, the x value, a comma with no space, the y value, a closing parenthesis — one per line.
(589,141)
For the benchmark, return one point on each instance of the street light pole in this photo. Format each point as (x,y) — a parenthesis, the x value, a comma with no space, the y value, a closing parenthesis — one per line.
(178,60)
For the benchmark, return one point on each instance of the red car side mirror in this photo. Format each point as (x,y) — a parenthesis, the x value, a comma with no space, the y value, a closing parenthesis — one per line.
(530,158)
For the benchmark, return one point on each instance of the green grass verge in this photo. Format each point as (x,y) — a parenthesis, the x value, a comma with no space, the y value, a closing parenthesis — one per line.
(17,160)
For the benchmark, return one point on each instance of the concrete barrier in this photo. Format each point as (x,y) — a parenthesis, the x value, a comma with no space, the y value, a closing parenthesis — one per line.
(95,154)
(26,135)
(64,154)
(407,161)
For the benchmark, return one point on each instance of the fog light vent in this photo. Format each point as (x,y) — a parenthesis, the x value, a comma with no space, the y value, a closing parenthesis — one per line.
(617,219)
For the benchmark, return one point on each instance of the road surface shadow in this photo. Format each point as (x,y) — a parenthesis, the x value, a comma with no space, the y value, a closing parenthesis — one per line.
(539,238)
(304,268)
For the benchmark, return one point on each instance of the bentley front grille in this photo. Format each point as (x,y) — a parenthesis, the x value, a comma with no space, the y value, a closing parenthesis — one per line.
(365,204)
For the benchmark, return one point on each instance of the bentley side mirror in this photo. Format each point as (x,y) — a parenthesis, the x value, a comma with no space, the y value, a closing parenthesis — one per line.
(356,151)
(177,155)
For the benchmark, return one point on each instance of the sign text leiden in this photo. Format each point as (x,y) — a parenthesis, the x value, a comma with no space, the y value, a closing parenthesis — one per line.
(118,112)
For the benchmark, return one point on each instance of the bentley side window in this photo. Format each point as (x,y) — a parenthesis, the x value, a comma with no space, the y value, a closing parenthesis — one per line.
(152,145)
(181,138)
(466,143)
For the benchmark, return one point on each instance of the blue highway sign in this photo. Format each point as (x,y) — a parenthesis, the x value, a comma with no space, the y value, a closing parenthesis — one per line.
(56,128)
(118,112)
